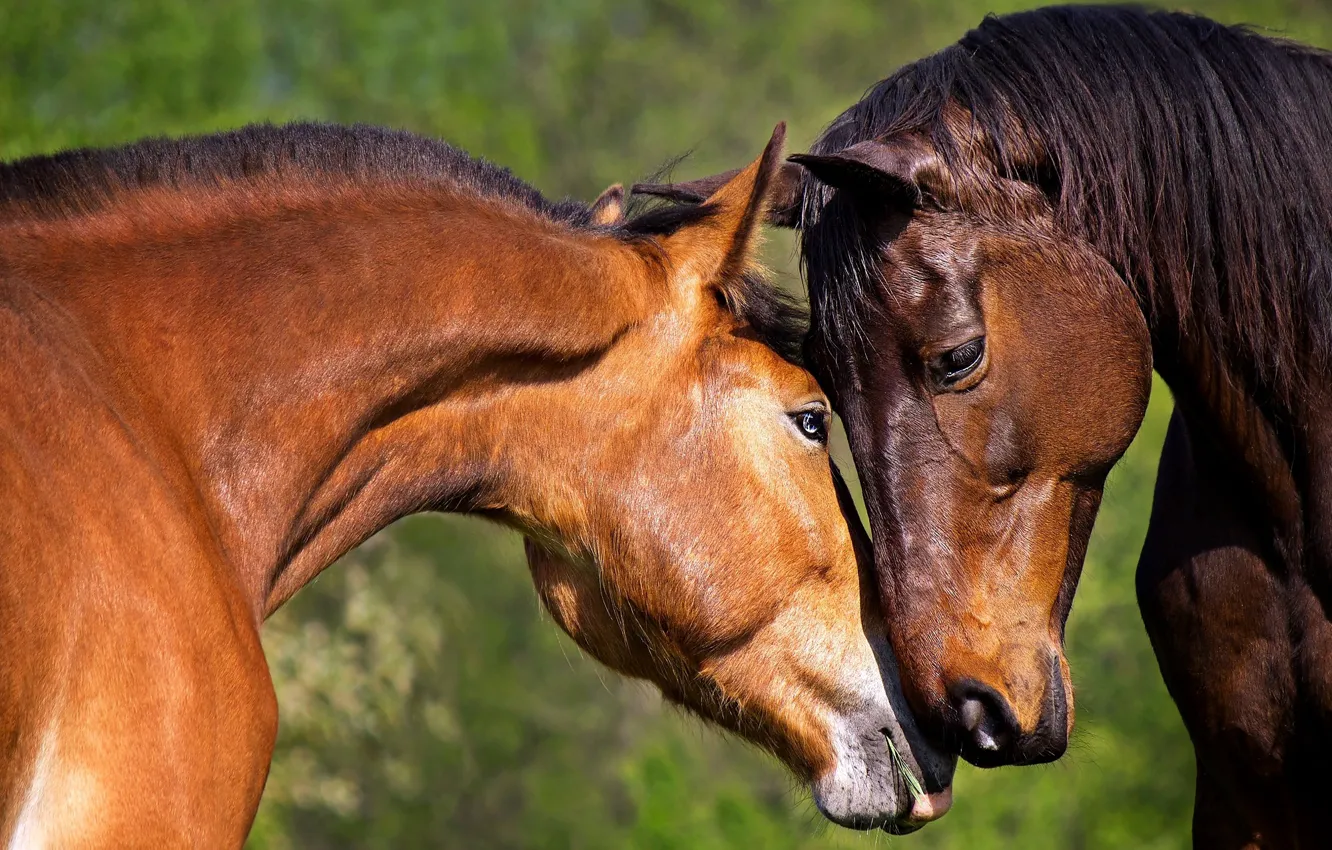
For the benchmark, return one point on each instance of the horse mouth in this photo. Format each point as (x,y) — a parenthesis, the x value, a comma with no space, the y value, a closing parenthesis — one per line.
(924,807)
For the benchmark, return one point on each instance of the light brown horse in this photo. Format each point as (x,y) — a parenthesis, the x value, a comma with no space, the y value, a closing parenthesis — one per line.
(231,359)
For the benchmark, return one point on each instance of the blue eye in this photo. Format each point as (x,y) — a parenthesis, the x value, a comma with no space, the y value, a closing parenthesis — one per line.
(813,425)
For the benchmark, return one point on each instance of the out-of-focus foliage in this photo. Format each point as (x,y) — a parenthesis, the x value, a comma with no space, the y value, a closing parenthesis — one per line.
(425,700)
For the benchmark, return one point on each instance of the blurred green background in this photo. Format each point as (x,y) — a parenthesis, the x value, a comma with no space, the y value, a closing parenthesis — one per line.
(425,699)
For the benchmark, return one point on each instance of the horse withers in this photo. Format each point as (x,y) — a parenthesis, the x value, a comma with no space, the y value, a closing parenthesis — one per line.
(1001,241)
(231,359)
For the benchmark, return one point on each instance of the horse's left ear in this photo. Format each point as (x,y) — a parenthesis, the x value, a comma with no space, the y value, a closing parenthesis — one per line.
(783,208)
(723,240)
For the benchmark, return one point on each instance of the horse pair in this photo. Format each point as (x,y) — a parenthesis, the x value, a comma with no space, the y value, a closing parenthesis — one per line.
(233,358)
(1001,242)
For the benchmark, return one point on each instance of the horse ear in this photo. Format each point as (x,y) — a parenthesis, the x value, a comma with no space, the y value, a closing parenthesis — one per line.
(905,167)
(722,242)
(783,208)
(608,208)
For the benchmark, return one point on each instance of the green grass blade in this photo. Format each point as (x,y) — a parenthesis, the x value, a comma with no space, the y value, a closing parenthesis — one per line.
(912,784)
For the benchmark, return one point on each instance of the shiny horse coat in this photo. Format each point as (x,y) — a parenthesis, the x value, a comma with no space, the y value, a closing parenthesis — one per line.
(1002,240)
(231,359)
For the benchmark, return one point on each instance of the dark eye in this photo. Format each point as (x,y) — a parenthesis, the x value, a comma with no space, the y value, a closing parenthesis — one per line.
(952,366)
(813,425)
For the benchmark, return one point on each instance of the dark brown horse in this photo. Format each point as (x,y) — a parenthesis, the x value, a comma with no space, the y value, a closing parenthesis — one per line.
(230,359)
(1001,240)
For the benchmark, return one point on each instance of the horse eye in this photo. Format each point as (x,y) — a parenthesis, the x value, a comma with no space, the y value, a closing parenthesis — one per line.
(952,366)
(813,425)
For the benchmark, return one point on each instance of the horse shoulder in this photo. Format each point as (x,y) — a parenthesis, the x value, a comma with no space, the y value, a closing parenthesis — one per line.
(1217,611)
(132,682)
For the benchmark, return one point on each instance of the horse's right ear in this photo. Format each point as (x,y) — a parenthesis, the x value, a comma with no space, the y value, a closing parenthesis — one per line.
(783,193)
(608,208)
(905,167)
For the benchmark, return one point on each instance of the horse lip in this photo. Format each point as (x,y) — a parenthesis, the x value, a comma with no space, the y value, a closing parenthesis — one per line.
(924,809)
(930,807)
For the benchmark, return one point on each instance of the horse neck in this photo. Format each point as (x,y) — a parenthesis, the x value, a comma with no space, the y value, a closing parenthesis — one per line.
(1240,429)
(308,371)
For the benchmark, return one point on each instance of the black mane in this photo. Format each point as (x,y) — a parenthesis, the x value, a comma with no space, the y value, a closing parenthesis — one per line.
(79,181)
(1194,156)
(72,182)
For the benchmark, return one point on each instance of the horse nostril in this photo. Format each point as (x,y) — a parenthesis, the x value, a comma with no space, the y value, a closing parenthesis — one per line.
(990,724)
(973,718)
(1053,727)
